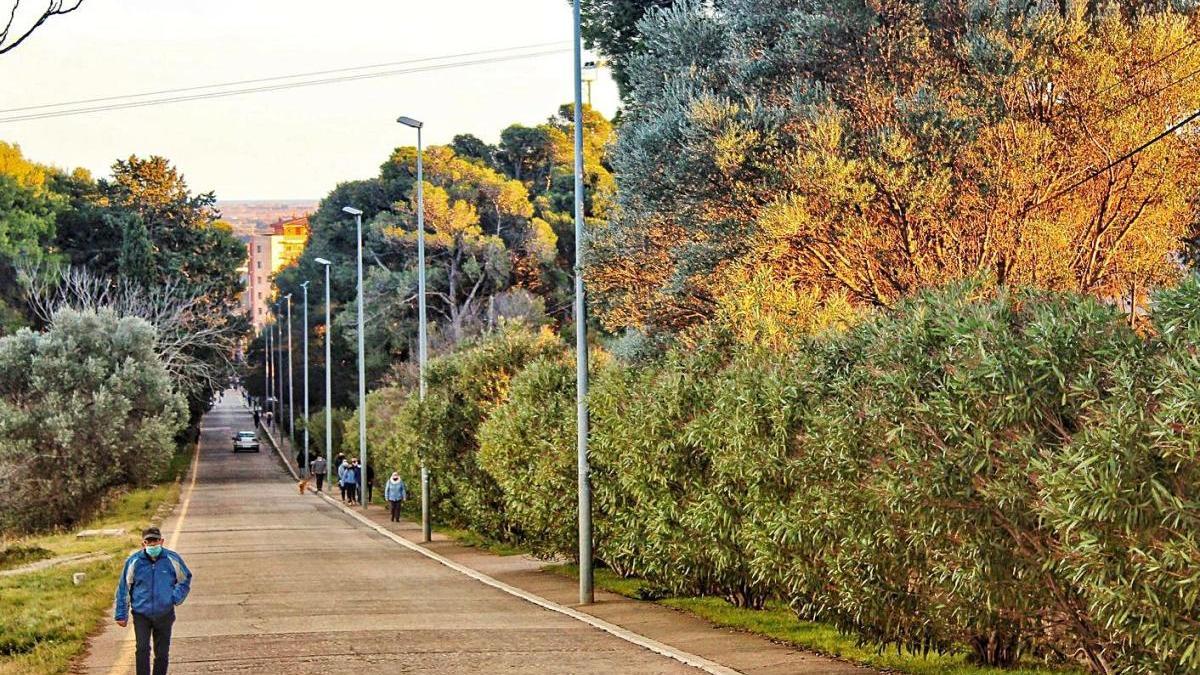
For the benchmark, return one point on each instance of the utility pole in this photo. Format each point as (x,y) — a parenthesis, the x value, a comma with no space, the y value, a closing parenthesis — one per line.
(305,341)
(586,592)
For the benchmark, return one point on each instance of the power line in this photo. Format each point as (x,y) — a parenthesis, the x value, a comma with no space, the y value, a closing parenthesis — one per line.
(276,87)
(1123,158)
(282,77)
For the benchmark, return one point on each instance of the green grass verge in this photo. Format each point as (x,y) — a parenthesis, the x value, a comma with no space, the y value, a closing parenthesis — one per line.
(469,538)
(47,619)
(777,622)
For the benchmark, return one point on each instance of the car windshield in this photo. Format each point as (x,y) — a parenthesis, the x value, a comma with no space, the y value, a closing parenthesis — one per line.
(246,435)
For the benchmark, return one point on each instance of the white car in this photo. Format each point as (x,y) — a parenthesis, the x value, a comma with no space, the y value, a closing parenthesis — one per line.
(245,440)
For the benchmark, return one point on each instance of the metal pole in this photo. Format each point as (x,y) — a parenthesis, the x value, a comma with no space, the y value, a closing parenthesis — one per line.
(279,369)
(266,335)
(305,342)
(362,375)
(423,346)
(586,594)
(291,380)
(328,383)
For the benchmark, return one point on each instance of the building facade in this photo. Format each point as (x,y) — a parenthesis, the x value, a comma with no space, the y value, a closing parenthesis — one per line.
(266,254)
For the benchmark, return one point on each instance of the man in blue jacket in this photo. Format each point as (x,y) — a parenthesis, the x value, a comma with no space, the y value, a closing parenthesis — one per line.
(153,582)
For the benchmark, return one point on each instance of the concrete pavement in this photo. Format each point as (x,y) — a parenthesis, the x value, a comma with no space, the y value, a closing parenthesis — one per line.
(285,584)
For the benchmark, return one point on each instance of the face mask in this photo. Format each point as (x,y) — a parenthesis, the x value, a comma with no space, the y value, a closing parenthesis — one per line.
(154,551)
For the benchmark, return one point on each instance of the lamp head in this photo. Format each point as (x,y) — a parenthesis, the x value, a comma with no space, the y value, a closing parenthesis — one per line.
(323,261)
(352,211)
(410,122)
(305,284)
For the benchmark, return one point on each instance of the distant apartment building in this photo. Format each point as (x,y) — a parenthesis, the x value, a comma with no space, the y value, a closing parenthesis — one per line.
(268,253)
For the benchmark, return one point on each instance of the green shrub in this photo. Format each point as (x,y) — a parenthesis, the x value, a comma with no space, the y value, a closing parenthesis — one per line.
(462,389)
(1015,473)
(1125,500)
(527,446)
(84,406)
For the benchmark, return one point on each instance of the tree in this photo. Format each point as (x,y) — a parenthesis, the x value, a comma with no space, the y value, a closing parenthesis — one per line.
(84,406)
(861,151)
(611,26)
(21,23)
(465,264)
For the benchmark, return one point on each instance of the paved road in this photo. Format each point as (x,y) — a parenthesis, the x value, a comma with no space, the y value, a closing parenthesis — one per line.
(289,584)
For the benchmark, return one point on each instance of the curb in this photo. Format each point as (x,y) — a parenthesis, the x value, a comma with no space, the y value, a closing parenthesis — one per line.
(686,658)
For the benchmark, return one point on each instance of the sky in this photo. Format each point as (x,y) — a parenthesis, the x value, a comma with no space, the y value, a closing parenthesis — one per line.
(295,143)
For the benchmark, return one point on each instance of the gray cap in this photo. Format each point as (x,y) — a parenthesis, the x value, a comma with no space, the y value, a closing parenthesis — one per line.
(151,533)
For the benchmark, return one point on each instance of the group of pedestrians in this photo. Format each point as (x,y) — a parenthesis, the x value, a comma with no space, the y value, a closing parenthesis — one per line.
(351,480)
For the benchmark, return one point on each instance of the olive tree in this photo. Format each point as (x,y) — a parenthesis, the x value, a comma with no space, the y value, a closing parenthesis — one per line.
(84,406)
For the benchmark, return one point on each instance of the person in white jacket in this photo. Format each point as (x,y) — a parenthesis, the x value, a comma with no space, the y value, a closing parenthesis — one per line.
(396,493)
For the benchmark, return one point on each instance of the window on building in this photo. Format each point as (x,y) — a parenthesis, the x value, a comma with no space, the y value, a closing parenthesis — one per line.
(258,263)
(260,248)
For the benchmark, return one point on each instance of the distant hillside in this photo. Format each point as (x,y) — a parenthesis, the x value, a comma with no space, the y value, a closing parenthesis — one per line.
(249,215)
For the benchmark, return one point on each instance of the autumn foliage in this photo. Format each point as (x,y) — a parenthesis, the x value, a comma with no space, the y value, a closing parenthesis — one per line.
(861,151)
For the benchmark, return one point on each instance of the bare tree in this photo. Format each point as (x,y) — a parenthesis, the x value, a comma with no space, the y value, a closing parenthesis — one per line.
(182,319)
(17,27)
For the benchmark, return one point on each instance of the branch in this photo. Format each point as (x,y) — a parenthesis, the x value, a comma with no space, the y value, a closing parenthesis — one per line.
(56,7)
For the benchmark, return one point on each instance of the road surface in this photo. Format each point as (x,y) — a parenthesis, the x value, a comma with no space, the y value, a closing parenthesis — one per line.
(289,584)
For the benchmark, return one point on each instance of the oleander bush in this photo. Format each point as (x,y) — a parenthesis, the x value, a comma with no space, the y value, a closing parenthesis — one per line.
(1011,473)
(462,390)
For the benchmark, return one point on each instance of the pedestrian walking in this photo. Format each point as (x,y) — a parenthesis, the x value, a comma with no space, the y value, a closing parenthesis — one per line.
(370,481)
(256,419)
(153,583)
(358,479)
(342,467)
(350,481)
(396,493)
(317,467)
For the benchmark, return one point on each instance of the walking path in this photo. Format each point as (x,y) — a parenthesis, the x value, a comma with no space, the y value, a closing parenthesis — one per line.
(297,585)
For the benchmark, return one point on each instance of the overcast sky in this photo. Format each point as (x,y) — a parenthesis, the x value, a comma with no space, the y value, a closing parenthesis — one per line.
(289,144)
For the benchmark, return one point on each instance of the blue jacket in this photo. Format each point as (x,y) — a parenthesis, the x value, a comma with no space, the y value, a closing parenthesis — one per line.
(152,587)
(395,492)
(348,475)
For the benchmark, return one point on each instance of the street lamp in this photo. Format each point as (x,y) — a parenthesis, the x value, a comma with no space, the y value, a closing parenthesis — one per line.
(266,335)
(586,593)
(362,364)
(291,380)
(422,339)
(304,286)
(278,366)
(328,375)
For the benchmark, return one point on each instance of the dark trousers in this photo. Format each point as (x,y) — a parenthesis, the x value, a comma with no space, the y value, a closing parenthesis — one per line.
(342,487)
(320,481)
(396,511)
(370,489)
(352,493)
(158,629)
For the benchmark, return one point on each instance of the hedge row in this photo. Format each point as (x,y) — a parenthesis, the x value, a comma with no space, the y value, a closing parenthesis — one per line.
(1017,473)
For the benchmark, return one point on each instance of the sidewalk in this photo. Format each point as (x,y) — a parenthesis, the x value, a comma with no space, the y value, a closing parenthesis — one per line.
(736,650)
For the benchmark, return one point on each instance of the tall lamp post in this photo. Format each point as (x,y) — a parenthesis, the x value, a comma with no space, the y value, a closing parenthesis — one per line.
(328,376)
(291,380)
(586,594)
(423,338)
(362,363)
(266,334)
(278,366)
(305,342)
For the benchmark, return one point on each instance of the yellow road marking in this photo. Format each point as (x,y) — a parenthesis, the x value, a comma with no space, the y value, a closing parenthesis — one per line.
(124,661)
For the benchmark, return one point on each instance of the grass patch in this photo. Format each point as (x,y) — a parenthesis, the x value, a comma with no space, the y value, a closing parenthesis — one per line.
(468,538)
(47,619)
(777,622)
